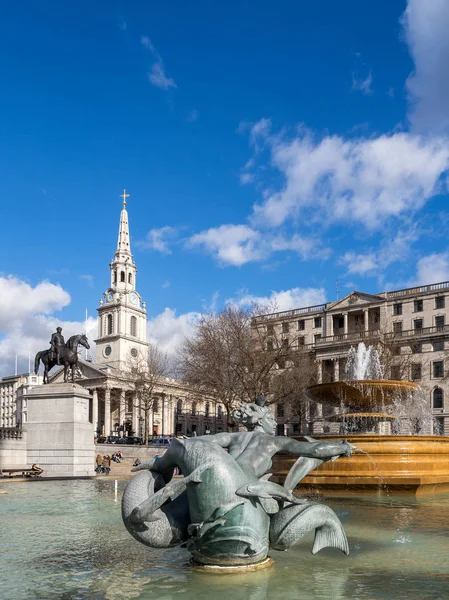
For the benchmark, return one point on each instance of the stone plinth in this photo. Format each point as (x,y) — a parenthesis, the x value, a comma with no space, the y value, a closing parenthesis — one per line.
(60,438)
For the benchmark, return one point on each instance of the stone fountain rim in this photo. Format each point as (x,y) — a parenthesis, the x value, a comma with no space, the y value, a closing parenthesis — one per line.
(364,382)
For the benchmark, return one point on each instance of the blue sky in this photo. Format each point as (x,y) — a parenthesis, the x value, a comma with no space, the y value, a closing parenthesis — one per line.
(270,149)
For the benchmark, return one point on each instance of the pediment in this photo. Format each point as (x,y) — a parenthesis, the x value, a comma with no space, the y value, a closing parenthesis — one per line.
(87,370)
(355,299)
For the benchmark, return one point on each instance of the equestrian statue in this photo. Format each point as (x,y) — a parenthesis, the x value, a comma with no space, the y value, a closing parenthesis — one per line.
(225,510)
(61,354)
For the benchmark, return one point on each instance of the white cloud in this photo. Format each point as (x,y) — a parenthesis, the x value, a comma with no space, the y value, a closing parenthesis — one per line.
(158,239)
(230,244)
(284,300)
(27,321)
(237,245)
(168,330)
(157,75)
(433,268)
(159,78)
(19,300)
(391,250)
(360,263)
(306,247)
(362,85)
(361,180)
(426,25)
(246,178)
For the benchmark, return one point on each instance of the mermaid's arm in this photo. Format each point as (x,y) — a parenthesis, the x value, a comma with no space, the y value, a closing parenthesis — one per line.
(322,449)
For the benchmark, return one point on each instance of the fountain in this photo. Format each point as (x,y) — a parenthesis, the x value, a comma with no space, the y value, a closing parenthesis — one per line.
(383,419)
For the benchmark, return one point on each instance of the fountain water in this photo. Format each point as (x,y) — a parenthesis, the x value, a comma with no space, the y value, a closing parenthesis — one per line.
(383,418)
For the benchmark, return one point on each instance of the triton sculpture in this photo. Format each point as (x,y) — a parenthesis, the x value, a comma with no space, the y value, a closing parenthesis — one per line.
(225,509)
(61,353)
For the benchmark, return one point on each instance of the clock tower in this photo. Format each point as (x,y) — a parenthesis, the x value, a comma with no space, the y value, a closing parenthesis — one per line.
(122,315)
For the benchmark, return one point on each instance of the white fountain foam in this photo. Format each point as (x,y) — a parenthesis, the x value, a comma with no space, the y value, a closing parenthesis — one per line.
(363,363)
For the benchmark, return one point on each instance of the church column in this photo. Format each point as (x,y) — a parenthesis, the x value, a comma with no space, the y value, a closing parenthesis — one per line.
(122,408)
(164,414)
(366,318)
(95,409)
(136,414)
(107,411)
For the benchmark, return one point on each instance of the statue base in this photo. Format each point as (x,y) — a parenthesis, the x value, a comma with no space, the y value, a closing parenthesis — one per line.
(60,436)
(229,569)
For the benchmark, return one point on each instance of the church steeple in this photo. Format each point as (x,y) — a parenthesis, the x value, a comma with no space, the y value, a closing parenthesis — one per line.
(123,244)
(122,313)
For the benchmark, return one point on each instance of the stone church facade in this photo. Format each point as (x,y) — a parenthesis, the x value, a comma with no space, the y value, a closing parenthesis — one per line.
(122,338)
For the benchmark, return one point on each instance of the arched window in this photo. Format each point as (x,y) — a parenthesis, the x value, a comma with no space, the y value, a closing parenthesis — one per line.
(133,326)
(438,398)
(115,276)
(193,409)
(220,412)
(109,325)
(122,276)
(130,278)
(207,411)
(179,405)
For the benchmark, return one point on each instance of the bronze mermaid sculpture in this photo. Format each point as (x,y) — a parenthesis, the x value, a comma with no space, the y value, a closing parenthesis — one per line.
(225,509)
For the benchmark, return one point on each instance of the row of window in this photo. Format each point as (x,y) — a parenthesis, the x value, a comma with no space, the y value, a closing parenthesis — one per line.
(123,277)
(437,370)
(417,348)
(110,325)
(317,322)
(418,305)
(418,324)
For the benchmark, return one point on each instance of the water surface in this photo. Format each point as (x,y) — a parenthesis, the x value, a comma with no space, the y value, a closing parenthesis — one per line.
(65,540)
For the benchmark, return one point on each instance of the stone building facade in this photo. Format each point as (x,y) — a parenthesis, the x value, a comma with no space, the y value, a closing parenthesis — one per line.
(11,389)
(414,321)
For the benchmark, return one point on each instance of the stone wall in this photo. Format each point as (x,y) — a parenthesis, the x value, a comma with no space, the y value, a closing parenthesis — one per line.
(13,448)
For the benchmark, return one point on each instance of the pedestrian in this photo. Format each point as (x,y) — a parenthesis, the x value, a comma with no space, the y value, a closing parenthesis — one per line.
(106,464)
(98,462)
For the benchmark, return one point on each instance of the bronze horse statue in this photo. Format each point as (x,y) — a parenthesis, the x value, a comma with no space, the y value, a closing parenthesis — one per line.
(68,357)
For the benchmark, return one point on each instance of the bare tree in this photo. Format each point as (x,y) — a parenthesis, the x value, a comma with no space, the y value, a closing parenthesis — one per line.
(238,354)
(145,375)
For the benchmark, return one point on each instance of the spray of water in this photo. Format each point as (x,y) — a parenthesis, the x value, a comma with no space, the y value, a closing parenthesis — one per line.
(363,363)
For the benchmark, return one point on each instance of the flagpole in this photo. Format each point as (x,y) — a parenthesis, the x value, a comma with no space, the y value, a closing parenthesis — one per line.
(85,331)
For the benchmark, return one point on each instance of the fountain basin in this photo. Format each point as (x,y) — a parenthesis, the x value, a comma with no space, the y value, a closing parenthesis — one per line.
(407,464)
(360,393)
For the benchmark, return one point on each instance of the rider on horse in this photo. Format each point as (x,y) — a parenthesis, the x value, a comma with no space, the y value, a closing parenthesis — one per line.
(57,340)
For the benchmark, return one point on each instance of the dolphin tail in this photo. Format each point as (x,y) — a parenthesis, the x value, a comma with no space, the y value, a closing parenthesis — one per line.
(291,523)
(331,535)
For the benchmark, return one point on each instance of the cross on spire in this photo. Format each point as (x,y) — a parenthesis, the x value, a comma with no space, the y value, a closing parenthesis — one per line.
(124,196)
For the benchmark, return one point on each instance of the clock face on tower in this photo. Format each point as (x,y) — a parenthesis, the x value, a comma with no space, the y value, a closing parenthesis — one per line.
(109,296)
(133,298)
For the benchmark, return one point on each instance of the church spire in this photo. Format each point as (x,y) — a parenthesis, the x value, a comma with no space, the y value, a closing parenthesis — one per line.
(123,245)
